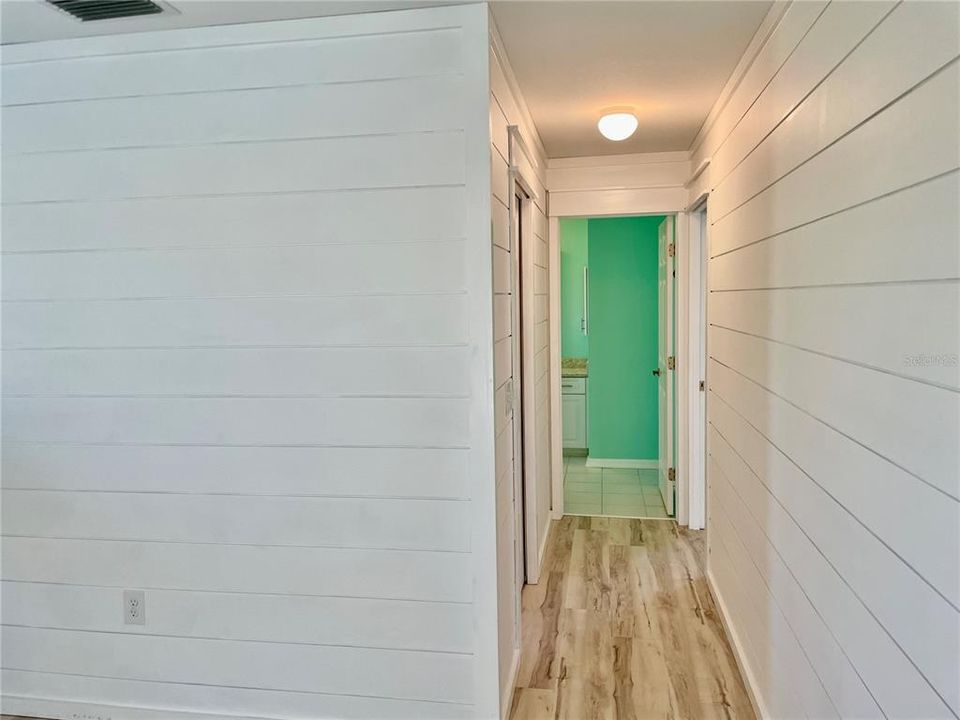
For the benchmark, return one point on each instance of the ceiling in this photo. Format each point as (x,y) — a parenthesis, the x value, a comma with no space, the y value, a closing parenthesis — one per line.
(669,60)
(33,20)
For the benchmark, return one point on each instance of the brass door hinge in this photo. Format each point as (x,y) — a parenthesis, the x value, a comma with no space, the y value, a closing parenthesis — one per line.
(671,363)
(672,475)
(671,250)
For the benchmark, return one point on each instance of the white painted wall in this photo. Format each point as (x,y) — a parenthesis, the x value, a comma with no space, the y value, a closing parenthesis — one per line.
(833,456)
(248,368)
(507,108)
(618,184)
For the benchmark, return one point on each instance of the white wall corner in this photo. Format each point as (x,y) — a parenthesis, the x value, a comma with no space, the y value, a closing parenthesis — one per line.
(528,127)
(760,37)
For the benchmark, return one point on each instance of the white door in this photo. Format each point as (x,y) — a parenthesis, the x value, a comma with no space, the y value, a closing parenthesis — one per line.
(664,372)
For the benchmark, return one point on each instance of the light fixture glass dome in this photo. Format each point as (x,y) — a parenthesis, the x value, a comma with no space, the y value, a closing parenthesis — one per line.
(617,125)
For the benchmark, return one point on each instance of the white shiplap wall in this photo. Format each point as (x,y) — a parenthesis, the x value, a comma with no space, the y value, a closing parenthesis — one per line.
(505,110)
(618,184)
(246,350)
(834,405)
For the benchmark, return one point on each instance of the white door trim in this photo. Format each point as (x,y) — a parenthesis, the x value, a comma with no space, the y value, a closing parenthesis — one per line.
(515,392)
(528,384)
(685,318)
(700,288)
(691,490)
(523,255)
(692,364)
(556,401)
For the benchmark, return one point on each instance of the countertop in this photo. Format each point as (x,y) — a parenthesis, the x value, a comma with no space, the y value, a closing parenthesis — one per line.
(573,367)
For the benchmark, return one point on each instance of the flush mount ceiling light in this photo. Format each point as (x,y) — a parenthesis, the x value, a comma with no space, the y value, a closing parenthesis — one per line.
(617,124)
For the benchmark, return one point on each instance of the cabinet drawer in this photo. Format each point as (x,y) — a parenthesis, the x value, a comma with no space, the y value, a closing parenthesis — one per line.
(573,386)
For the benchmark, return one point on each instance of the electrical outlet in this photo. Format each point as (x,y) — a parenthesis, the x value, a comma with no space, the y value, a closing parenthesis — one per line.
(134,607)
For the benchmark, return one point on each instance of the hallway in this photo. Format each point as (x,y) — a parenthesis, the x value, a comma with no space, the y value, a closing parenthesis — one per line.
(622,626)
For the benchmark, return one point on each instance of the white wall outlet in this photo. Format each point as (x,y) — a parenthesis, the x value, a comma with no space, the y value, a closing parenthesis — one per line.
(134,607)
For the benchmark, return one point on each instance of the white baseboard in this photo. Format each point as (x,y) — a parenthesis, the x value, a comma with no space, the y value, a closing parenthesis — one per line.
(623,463)
(749,679)
(506,701)
(25,706)
(542,550)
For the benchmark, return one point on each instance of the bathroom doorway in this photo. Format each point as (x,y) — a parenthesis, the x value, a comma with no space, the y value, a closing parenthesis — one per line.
(617,327)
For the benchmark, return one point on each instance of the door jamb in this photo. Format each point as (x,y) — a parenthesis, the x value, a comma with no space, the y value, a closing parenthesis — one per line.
(556,417)
(524,402)
(691,364)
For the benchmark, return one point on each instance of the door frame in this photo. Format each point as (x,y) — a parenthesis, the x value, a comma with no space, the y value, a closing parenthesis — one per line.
(690,482)
(692,248)
(522,256)
(515,395)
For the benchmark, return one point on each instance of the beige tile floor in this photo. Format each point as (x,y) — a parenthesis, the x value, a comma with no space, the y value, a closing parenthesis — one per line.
(609,491)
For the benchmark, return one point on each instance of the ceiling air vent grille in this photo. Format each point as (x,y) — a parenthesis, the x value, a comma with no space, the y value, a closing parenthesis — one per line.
(106,9)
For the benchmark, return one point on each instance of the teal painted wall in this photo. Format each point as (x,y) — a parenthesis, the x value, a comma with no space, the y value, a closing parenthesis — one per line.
(573,258)
(622,391)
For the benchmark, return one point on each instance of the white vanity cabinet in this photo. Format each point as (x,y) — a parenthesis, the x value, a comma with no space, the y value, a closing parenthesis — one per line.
(574,410)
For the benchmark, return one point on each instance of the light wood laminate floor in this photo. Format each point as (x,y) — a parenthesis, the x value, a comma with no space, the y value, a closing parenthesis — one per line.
(623,626)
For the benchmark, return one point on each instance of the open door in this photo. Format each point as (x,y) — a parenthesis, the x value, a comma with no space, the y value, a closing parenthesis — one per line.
(666,363)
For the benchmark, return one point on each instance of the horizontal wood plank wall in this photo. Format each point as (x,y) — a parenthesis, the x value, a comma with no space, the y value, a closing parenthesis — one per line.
(834,332)
(503,373)
(240,365)
(506,110)
(618,184)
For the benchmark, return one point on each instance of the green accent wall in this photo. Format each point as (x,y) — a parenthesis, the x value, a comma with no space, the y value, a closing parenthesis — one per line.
(573,258)
(622,391)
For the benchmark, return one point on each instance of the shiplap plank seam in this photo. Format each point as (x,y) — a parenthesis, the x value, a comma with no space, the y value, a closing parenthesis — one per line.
(833,498)
(849,361)
(834,213)
(839,575)
(717,180)
(838,431)
(862,123)
(799,585)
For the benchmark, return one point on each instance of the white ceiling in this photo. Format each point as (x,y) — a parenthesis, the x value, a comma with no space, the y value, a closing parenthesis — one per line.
(33,20)
(669,60)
